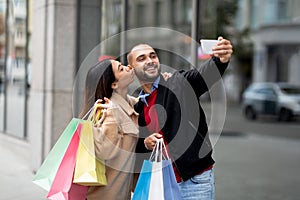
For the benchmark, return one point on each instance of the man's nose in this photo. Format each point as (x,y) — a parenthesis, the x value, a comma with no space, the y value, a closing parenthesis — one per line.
(149,59)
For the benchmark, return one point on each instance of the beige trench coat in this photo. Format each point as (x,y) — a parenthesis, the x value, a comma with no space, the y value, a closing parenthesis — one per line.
(115,142)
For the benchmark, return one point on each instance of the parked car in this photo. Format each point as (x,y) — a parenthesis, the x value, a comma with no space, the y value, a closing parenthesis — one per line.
(268,98)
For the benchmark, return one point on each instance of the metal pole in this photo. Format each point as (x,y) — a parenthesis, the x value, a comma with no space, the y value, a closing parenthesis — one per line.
(78,59)
(5,65)
(26,84)
(43,151)
(124,27)
(195,30)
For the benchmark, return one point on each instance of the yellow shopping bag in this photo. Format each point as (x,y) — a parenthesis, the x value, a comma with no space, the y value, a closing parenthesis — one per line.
(89,170)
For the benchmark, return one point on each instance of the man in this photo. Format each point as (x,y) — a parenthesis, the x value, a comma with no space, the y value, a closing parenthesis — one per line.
(171,109)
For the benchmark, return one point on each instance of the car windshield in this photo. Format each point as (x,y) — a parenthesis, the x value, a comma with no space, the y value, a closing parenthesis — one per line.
(291,90)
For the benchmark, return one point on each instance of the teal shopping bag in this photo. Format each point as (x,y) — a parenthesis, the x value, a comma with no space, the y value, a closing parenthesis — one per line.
(141,191)
(46,173)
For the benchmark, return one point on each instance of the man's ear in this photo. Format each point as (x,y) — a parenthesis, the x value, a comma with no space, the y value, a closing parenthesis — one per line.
(114,85)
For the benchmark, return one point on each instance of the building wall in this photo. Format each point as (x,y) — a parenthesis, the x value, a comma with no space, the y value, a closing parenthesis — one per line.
(282,37)
(275,26)
(53,66)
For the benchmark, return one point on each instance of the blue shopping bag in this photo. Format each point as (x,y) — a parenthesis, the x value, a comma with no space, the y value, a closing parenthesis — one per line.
(171,188)
(141,191)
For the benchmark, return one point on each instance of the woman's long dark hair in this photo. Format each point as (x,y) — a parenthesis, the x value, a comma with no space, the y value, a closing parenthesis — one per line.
(98,84)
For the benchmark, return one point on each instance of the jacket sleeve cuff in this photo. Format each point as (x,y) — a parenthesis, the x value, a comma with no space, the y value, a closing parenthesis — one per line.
(221,66)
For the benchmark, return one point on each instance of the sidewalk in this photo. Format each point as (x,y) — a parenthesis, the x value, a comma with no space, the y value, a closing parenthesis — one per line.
(15,174)
(247,167)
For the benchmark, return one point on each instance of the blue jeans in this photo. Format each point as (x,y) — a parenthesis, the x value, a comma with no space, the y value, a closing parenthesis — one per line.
(199,187)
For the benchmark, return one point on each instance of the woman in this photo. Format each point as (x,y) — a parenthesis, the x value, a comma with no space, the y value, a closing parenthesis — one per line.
(116,138)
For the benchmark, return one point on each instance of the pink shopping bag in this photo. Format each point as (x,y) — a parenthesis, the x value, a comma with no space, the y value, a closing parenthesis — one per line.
(62,187)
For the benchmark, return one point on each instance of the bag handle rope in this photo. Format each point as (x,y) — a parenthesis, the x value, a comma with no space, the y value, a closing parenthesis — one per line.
(157,154)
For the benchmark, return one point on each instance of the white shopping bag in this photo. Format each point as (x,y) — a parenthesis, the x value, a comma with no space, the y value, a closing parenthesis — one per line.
(156,191)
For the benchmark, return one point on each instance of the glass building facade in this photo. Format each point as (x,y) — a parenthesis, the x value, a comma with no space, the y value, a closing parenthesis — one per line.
(14,67)
(117,16)
(173,27)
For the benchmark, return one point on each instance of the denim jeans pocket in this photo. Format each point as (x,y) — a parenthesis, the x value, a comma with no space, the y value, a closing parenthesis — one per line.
(205,177)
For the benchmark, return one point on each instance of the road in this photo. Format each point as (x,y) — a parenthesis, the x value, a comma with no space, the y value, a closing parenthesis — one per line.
(236,124)
(256,160)
(264,125)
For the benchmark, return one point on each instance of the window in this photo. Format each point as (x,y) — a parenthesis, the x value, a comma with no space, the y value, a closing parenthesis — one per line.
(13,52)
(254,11)
(266,91)
(282,10)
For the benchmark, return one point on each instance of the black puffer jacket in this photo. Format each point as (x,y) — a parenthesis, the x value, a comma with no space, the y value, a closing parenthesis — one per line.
(182,119)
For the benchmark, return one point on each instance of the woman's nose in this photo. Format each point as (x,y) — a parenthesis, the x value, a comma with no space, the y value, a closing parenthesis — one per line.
(128,68)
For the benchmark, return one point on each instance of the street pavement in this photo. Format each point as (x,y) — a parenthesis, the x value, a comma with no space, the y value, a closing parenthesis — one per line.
(15,173)
(253,167)
(248,167)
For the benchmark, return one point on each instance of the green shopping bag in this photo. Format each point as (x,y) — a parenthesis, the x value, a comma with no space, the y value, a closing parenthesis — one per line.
(46,173)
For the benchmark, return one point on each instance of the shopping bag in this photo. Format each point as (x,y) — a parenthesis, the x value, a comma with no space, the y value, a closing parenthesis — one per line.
(156,190)
(78,192)
(161,183)
(63,179)
(171,188)
(88,170)
(46,173)
(141,191)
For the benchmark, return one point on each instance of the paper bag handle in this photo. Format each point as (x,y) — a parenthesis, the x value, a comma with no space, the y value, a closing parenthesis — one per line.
(157,154)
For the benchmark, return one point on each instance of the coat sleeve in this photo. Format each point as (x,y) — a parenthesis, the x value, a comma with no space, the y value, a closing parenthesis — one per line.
(107,137)
(206,76)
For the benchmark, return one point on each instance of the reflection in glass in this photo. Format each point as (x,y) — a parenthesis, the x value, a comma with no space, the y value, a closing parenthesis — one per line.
(2,62)
(174,15)
(111,25)
(15,68)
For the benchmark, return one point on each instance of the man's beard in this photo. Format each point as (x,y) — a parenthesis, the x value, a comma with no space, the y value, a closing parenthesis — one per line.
(144,77)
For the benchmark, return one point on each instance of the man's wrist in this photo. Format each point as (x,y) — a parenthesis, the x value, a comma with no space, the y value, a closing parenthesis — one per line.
(146,145)
(218,61)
